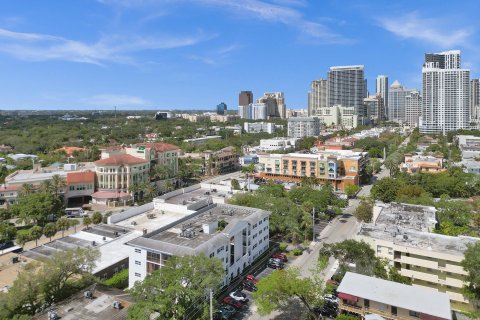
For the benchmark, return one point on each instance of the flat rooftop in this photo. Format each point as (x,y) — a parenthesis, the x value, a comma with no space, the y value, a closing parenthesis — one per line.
(150,220)
(415,217)
(108,239)
(23,176)
(414,298)
(418,239)
(98,308)
(188,234)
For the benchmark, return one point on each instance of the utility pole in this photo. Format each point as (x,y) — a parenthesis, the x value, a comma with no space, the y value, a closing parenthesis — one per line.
(313,224)
(211,304)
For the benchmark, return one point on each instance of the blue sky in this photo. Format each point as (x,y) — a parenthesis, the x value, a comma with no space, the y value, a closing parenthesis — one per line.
(186,54)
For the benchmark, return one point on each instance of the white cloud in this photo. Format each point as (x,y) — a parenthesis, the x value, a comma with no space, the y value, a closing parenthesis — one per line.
(110,48)
(279,11)
(215,57)
(112,100)
(412,26)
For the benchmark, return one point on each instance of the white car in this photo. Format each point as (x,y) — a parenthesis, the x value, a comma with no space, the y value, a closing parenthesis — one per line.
(239,296)
(331,298)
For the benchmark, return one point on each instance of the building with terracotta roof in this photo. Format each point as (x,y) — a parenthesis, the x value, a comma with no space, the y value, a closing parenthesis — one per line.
(417,163)
(70,150)
(80,186)
(116,174)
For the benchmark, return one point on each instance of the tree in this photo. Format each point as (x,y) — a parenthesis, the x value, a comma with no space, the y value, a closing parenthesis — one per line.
(235,184)
(7,232)
(63,224)
(282,287)
(74,223)
(394,275)
(26,189)
(36,207)
(36,233)
(22,237)
(41,284)
(58,184)
(364,211)
(356,252)
(470,263)
(249,169)
(162,172)
(150,191)
(50,230)
(178,289)
(386,189)
(46,186)
(87,221)
(351,190)
(373,166)
(97,218)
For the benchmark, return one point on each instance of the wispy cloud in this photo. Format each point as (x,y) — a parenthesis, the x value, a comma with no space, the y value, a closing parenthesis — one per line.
(109,48)
(216,57)
(279,11)
(437,32)
(112,100)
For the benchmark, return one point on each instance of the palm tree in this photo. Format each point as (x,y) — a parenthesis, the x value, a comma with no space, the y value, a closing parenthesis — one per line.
(26,189)
(163,172)
(73,223)
(150,191)
(46,186)
(36,233)
(58,183)
(63,224)
(168,186)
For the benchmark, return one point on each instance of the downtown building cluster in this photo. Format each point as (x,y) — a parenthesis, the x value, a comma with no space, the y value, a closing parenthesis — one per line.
(448,100)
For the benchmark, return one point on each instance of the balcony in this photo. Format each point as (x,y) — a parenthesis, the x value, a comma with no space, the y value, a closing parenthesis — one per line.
(432,264)
(364,310)
(419,275)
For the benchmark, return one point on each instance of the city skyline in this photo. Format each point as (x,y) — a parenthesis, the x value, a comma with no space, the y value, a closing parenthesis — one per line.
(146,55)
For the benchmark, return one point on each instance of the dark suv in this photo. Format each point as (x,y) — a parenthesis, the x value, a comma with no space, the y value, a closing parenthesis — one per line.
(275,264)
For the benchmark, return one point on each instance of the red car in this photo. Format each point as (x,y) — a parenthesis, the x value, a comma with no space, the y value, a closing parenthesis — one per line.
(232,302)
(280,256)
(251,279)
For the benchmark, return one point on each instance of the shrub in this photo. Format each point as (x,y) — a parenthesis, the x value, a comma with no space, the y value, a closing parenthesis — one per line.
(119,280)
(283,247)
(297,252)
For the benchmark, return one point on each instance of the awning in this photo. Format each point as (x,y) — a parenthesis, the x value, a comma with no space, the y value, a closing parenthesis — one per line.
(347,297)
(110,195)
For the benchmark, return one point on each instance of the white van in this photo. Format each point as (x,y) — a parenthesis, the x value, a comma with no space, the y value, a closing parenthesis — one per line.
(75,212)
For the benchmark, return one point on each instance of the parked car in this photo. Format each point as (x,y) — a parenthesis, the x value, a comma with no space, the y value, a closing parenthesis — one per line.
(224,312)
(282,257)
(275,264)
(249,286)
(232,302)
(7,244)
(331,298)
(252,279)
(239,296)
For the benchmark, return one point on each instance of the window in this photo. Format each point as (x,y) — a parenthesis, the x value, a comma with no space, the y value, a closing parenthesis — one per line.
(394,310)
(366,303)
(212,254)
(414,314)
(137,274)
(138,263)
(138,250)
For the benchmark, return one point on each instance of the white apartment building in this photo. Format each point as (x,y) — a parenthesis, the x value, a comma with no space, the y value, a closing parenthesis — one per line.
(475,101)
(413,108)
(256,127)
(233,234)
(317,97)
(338,115)
(446,93)
(396,102)
(277,144)
(402,234)
(469,146)
(300,127)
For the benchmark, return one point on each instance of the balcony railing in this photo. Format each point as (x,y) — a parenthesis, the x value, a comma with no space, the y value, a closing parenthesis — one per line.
(366,310)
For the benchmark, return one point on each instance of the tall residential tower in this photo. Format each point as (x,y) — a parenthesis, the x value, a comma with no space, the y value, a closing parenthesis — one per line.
(445,93)
(381,88)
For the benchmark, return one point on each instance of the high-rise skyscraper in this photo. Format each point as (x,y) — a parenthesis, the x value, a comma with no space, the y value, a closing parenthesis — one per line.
(413,108)
(475,100)
(317,97)
(396,105)
(275,102)
(381,89)
(445,93)
(245,98)
(374,108)
(222,108)
(346,87)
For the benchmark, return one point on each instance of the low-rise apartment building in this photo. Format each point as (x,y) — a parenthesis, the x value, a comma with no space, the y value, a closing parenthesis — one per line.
(233,234)
(336,167)
(256,127)
(364,295)
(277,144)
(403,235)
(418,163)
(469,146)
(221,161)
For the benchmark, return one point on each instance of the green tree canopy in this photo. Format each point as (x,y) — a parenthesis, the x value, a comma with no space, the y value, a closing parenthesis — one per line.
(471,263)
(364,211)
(97,217)
(386,189)
(36,207)
(178,289)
